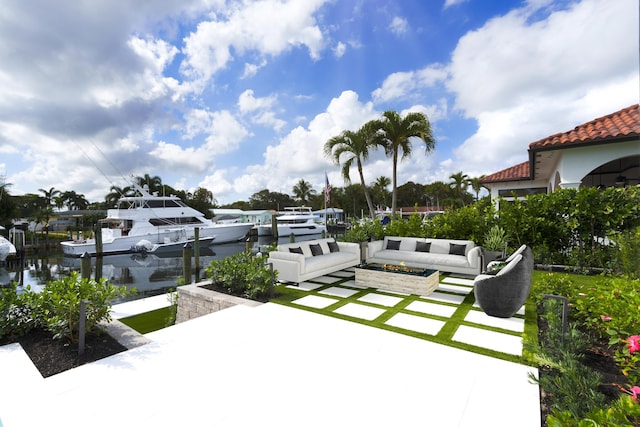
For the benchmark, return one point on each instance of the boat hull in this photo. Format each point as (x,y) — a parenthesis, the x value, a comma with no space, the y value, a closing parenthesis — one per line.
(296,230)
(222,233)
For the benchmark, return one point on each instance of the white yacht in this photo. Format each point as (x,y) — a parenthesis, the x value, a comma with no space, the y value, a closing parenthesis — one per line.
(146,219)
(6,248)
(298,221)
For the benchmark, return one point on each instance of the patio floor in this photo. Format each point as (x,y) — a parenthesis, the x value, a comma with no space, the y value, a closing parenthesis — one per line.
(279,365)
(448,316)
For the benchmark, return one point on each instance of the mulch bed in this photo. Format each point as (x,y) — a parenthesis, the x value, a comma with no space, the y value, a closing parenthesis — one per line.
(52,356)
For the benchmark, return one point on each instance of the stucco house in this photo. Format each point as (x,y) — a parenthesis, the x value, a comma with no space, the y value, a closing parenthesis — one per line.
(604,152)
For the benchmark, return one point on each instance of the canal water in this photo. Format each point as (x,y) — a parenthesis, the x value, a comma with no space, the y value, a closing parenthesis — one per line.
(149,274)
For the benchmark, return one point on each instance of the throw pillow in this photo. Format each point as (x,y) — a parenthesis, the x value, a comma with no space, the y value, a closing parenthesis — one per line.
(423,246)
(295,250)
(333,247)
(455,249)
(316,250)
(393,245)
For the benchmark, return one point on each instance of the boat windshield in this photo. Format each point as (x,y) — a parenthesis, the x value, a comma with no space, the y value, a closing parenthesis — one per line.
(134,203)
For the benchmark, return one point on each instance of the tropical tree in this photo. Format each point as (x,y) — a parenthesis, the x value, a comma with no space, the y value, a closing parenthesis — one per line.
(47,210)
(350,147)
(439,192)
(380,189)
(75,201)
(410,194)
(154,182)
(266,199)
(303,191)
(395,134)
(202,200)
(8,208)
(476,185)
(459,183)
(115,193)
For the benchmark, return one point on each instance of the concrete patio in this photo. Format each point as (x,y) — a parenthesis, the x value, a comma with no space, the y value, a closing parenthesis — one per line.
(272,365)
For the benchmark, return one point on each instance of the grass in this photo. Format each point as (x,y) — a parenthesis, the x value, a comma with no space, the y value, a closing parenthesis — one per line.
(286,296)
(151,320)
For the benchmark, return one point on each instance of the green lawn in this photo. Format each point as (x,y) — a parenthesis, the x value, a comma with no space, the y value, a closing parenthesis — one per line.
(150,321)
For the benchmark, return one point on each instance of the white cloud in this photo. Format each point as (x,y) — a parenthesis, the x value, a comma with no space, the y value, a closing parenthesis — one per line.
(399,25)
(523,78)
(251,70)
(222,134)
(449,3)
(405,84)
(267,27)
(514,57)
(339,50)
(300,153)
(260,109)
(247,102)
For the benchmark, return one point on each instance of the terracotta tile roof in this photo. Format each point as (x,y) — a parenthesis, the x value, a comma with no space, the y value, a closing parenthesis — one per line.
(623,123)
(514,173)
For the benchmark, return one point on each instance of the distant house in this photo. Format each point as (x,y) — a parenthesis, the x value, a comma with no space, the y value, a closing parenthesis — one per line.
(333,215)
(602,153)
(238,215)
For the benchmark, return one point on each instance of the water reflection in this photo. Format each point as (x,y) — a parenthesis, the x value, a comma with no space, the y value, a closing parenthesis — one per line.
(149,274)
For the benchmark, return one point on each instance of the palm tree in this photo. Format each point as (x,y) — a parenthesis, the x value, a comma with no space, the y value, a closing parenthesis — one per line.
(154,182)
(303,191)
(350,147)
(395,134)
(75,201)
(49,195)
(380,188)
(475,184)
(47,211)
(115,193)
(459,183)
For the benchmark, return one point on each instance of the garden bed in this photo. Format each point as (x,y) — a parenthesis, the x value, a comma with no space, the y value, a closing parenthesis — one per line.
(53,356)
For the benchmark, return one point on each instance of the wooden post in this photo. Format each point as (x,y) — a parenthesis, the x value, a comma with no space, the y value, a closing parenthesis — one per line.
(98,273)
(196,251)
(98,239)
(82,326)
(274,227)
(85,265)
(186,264)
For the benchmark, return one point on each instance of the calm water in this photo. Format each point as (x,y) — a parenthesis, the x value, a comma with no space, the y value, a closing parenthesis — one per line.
(148,274)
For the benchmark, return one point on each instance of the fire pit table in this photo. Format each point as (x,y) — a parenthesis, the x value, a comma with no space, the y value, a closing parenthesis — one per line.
(398,278)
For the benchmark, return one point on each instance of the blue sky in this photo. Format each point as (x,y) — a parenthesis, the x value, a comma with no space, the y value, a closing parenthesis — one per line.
(239,96)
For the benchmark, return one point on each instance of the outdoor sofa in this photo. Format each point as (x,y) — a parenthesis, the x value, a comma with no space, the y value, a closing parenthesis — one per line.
(300,261)
(453,256)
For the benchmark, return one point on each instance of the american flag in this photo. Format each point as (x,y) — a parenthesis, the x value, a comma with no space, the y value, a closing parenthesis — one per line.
(327,189)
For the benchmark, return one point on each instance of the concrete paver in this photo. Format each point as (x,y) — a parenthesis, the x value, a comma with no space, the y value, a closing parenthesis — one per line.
(277,365)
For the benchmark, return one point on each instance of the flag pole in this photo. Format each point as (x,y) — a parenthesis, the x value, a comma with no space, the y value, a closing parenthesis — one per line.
(325,200)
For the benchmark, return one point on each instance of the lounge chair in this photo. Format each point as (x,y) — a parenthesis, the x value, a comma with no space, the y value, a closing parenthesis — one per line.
(503,293)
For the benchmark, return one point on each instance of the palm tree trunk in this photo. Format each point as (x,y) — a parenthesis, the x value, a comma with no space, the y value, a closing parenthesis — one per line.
(394,194)
(366,192)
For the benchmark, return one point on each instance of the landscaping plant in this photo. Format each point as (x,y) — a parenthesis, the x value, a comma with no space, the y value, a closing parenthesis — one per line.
(18,312)
(364,231)
(242,274)
(602,309)
(59,303)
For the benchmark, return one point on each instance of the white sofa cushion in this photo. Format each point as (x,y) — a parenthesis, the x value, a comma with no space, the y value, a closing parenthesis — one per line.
(438,257)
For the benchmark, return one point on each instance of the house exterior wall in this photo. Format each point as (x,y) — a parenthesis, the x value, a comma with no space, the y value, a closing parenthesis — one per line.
(576,163)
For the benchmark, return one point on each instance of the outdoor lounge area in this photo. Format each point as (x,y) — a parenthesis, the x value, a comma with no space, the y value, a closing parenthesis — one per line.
(325,352)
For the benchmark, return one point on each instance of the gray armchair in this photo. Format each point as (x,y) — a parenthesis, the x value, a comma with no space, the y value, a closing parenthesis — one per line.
(502,294)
